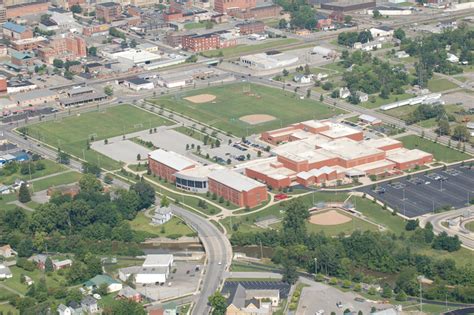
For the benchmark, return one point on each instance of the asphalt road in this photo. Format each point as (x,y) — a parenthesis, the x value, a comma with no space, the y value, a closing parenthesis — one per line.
(216,244)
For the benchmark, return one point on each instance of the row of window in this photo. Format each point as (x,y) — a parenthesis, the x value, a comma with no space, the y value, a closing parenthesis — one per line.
(191,183)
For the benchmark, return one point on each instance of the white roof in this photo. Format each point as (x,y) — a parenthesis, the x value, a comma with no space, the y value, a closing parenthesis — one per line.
(403,155)
(137,56)
(163,260)
(380,142)
(172,159)
(200,171)
(470,125)
(235,180)
(368,118)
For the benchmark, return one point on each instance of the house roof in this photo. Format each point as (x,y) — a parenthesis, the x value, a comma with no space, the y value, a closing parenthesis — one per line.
(17,28)
(158,260)
(88,301)
(128,292)
(100,279)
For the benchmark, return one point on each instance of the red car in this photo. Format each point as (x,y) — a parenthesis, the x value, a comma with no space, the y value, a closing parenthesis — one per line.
(281,196)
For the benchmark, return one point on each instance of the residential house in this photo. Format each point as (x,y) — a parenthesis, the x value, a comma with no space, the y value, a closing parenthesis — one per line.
(363,97)
(161,215)
(94,283)
(89,305)
(344,92)
(40,260)
(6,251)
(129,294)
(321,76)
(302,78)
(62,264)
(28,280)
(5,272)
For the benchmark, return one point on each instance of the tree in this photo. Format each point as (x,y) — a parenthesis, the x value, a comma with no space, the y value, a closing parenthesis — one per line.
(125,307)
(387,292)
(303,17)
(294,222)
(209,25)
(58,63)
(401,296)
(461,133)
(108,179)
(90,183)
(109,90)
(347,19)
(76,9)
(92,51)
(24,194)
(25,248)
(443,127)
(289,272)
(218,303)
(89,168)
(192,59)
(133,43)
(165,202)
(285,72)
(376,14)
(411,225)
(399,34)
(48,265)
(63,158)
(282,24)
(146,194)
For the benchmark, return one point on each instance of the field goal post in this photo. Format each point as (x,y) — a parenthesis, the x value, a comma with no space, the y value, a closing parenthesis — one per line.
(137,126)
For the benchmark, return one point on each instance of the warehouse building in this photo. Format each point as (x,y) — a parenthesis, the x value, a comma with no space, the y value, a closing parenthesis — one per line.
(348,6)
(269,60)
(138,84)
(82,99)
(35,97)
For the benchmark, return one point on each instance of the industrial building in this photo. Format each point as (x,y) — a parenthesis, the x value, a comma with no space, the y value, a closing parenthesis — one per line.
(155,269)
(269,60)
(390,11)
(35,97)
(348,6)
(316,152)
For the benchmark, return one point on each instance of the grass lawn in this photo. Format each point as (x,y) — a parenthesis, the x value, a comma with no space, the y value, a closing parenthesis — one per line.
(8,309)
(173,226)
(240,266)
(440,152)
(195,134)
(53,280)
(336,67)
(462,257)
(470,226)
(51,167)
(5,199)
(195,25)
(61,179)
(72,133)
(438,85)
(382,101)
(248,49)
(232,103)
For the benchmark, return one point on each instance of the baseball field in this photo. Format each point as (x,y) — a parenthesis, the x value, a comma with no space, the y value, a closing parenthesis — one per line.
(71,133)
(243,109)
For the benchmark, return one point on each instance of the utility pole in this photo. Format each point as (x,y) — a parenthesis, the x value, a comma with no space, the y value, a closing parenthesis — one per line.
(315,266)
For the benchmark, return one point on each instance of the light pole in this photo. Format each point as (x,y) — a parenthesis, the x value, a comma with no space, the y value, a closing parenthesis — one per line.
(315,266)
(420,278)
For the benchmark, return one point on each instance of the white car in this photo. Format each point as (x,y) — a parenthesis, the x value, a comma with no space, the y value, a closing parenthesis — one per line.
(97,296)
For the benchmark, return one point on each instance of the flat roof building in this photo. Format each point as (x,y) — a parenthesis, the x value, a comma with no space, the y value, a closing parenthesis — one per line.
(35,97)
(167,163)
(269,60)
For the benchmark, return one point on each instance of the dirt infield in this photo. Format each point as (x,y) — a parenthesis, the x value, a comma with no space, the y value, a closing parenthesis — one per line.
(201,98)
(331,217)
(257,119)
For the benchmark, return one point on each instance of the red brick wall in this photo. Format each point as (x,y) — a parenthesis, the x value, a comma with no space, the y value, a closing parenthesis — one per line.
(292,165)
(197,44)
(274,183)
(162,170)
(254,197)
(3,84)
(363,160)
(221,6)
(27,9)
(391,146)
(250,28)
(250,199)
(412,164)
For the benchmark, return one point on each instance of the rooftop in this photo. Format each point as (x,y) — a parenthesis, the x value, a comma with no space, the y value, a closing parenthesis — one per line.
(235,180)
(171,159)
(201,171)
(137,80)
(34,94)
(403,155)
(108,4)
(349,149)
(164,260)
(337,130)
(17,28)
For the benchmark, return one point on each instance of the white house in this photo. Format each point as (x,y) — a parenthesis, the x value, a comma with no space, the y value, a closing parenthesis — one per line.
(321,76)
(367,119)
(64,310)
(5,272)
(89,305)
(6,251)
(138,84)
(61,264)
(344,92)
(161,215)
(363,97)
(302,78)
(452,58)
(382,31)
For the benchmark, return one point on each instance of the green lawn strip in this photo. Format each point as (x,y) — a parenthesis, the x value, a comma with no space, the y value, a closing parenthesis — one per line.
(138,167)
(122,262)
(470,226)
(236,100)
(8,309)
(195,25)
(51,167)
(72,133)
(195,134)
(5,200)
(107,300)
(245,223)
(462,257)
(375,213)
(61,179)
(173,226)
(440,84)
(252,279)
(53,280)
(440,152)
(240,266)
(247,49)
(383,101)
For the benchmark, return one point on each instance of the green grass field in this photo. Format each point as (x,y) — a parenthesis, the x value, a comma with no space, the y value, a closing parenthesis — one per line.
(51,167)
(382,101)
(440,152)
(71,133)
(53,280)
(248,49)
(439,84)
(470,226)
(60,179)
(233,102)
(194,25)
(173,226)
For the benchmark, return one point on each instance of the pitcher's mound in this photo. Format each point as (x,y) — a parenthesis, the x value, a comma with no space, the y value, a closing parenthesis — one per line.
(201,98)
(257,119)
(331,217)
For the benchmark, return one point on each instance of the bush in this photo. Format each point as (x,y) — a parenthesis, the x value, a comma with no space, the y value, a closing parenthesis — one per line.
(174,236)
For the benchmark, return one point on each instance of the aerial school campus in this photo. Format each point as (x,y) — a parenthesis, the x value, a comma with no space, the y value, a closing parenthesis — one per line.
(240,153)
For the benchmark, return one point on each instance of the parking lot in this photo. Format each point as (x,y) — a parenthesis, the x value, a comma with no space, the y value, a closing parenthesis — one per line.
(427,192)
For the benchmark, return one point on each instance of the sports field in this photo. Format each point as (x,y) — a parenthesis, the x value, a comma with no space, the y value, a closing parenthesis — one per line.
(71,133)
(238,100)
